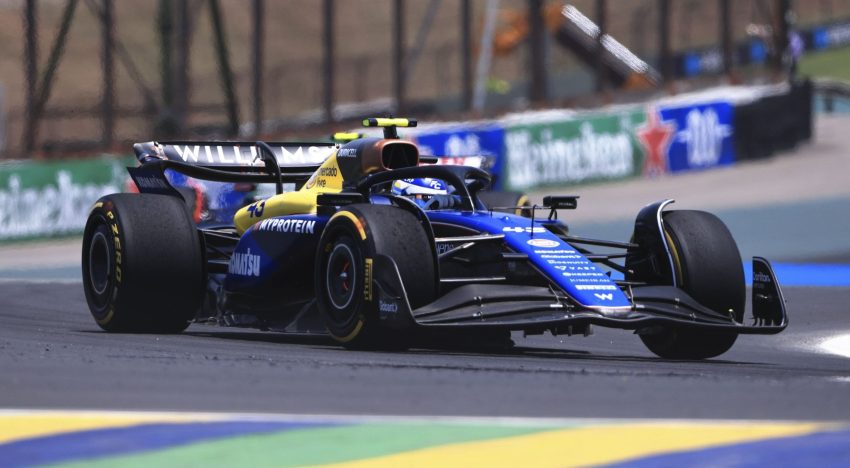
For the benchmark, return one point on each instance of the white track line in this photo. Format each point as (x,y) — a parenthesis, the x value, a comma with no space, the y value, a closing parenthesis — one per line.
(839,345)
(421,419)
(41,280)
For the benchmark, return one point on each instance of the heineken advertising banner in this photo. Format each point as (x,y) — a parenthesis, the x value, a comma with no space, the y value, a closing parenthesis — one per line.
(42,199)
(575,150)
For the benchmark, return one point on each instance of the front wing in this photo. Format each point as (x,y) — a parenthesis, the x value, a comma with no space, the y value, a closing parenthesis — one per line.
(535,308)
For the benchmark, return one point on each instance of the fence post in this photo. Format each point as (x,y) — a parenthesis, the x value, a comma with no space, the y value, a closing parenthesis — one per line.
(328,43)
(539,87)
(258,65)
(601,20)
(665,60)
(108,97)
(398,56)
(466,53)
(31,67)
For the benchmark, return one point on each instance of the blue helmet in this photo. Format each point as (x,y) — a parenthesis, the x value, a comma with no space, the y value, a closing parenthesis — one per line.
(420,190)
(426,186)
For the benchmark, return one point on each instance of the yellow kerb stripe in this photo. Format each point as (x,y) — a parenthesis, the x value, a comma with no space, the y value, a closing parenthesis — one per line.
(586,446)
(23,426)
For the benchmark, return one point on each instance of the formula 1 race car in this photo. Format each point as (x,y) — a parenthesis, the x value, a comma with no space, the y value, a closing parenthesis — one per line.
(346,255)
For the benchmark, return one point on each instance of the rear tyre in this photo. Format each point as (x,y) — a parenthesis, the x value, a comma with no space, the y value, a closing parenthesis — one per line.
(708,267)
(143,269)
(507,202)
(352,238)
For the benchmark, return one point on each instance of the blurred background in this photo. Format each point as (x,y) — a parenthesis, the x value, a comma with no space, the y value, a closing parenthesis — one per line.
(93,75)
(80,79)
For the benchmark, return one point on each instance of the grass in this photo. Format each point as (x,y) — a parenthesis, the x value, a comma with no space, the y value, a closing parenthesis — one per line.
(828,64)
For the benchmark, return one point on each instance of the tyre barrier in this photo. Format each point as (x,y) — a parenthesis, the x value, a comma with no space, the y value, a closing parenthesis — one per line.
(774,123)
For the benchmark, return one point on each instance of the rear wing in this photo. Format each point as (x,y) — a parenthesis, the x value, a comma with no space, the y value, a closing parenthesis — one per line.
(229,154)
(230,161)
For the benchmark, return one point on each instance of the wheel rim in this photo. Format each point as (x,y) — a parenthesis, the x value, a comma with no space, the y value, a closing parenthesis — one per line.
(100,263)
(341,276)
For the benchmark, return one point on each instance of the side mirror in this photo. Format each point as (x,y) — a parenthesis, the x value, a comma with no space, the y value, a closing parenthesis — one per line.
(561,202)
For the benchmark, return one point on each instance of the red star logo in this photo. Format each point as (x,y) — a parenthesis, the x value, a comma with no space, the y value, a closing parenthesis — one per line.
(655,137)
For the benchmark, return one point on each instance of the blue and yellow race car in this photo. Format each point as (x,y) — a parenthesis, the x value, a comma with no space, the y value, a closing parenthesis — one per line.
(350,253)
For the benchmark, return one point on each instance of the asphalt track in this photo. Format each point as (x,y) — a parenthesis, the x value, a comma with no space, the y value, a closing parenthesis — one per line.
(54,356)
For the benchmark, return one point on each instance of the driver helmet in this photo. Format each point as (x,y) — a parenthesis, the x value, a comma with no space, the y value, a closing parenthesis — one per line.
(420,190)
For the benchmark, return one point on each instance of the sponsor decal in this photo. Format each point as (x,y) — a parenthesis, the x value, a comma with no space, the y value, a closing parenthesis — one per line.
(562,257)
(547,252)
(313,155)
(256,209)
(116,241)
(567,262)
(444,247)
(152,183)
(347,153)
(295,226)
(546,243)
(560,267)
(387,307)
(518,229)
(761,277)
(604,296)
(601,287)
(367,284)
(247,155)
(585,268)
(328,171)
(217,154)
(470,161)
(244,264)
(594,273)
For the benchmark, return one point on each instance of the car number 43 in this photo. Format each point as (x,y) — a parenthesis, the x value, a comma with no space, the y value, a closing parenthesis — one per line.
(256,209)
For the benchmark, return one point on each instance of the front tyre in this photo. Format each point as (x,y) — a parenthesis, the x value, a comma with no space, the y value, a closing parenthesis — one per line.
(708,267)
(142,264)
(352,239)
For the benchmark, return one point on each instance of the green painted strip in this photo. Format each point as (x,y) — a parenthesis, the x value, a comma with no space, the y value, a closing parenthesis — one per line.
(311,446)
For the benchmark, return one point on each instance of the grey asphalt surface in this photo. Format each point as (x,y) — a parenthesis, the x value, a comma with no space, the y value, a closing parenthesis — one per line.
(52,355)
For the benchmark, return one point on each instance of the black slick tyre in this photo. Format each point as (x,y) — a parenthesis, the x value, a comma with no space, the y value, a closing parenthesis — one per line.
(349,243)
(143,268)
(507,202)
(708,267)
